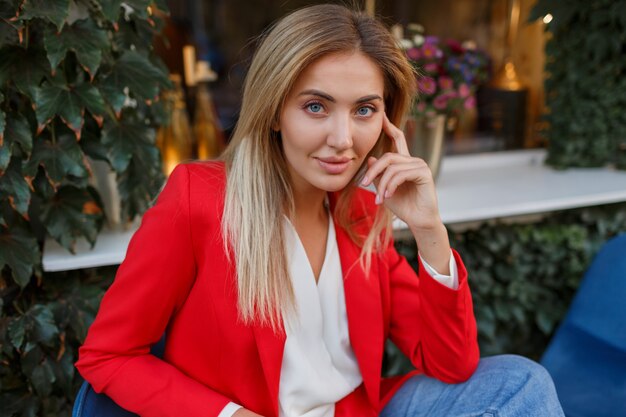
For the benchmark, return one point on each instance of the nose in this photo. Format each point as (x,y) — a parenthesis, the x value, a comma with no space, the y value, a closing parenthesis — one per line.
(340,135)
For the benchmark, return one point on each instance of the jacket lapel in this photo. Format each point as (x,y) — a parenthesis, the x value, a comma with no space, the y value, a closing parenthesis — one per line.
(271,347)
(364,309)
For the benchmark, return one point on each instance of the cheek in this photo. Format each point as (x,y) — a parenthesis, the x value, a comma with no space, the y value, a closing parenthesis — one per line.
(368,135)
(292,133)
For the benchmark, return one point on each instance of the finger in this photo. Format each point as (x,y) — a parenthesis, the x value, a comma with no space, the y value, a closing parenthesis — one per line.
(377,166)
(416,175)
(382,188)
(367,178)
(397,135)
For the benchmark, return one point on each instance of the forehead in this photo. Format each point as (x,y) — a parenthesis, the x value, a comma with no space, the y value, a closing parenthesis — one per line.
(342,74)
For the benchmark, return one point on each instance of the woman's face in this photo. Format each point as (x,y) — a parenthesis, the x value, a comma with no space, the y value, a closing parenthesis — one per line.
(331,120)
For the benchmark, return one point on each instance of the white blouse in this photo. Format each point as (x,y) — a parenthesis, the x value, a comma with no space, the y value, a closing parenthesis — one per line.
(319,367)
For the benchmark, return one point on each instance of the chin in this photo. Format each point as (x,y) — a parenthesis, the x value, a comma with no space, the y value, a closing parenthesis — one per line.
(335,184)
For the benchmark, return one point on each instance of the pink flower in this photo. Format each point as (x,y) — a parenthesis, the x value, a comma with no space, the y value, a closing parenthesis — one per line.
(464,90)
(469,103)
(426,85)
(413,53)
(431,51)
(446,83)
(432,67)
(441,102)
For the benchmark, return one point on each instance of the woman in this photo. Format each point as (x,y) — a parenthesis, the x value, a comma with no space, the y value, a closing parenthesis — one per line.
(272,272)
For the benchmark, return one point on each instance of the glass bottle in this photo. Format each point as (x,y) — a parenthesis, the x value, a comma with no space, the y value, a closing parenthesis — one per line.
(174,139)
(206,126)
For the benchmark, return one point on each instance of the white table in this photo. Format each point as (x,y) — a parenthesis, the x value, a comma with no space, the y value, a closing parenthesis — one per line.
(470,188)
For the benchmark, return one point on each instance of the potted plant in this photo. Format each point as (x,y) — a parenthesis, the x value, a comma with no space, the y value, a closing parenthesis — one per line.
(448,75)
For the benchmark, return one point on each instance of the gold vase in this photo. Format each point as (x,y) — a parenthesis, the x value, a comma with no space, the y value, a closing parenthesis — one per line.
(425,139)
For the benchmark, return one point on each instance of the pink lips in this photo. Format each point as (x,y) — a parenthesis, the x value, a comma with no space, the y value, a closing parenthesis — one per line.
(334,165)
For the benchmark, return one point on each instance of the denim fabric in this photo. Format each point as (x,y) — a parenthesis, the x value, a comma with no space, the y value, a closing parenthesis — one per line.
(502,386)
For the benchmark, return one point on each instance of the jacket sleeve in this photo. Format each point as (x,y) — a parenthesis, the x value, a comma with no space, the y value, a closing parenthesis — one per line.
(432,324)
(150,285)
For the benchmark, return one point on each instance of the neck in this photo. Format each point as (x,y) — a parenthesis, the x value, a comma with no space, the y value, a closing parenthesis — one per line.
(309,206)
(308,203)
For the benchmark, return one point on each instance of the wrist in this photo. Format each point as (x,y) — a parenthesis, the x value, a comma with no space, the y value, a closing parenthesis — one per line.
(434,246)
(425,227)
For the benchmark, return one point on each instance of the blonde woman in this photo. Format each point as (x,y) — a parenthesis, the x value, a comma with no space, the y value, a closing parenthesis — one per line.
(272,272)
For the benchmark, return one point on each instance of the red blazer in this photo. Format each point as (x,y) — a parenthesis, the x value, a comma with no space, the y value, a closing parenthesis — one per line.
(176,279)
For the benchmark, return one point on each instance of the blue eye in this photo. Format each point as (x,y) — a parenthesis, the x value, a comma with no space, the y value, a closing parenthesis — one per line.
(315,107)
(365,111)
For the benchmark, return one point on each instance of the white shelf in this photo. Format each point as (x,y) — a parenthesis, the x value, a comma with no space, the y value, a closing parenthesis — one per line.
(470,188)
(502,184)
(110,249)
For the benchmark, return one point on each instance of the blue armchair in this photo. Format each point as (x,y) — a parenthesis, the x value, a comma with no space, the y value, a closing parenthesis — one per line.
(587,355)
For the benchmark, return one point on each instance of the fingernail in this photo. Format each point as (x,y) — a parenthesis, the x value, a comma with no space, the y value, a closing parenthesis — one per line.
(378,199)
(387,194)
(365,180)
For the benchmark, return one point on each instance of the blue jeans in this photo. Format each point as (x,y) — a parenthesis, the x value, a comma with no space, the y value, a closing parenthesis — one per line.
(502,386)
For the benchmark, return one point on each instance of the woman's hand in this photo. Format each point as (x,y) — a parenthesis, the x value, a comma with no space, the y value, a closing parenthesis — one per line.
(404,183)
(242,412)
(406,186)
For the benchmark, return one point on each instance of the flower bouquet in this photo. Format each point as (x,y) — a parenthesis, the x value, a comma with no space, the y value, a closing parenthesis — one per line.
(449,73)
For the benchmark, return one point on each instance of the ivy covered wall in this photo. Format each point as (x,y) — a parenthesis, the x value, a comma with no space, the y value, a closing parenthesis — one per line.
(79,82)
(585,82)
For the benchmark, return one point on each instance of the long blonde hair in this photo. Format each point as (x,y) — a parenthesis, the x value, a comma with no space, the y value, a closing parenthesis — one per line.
(258,188)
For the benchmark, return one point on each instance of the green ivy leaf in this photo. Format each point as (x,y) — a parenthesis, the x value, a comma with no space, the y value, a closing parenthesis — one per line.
(10,32)
(43,377)
(5,156)
(17,132)
(10,25)
(83,37)
(125,140)
(2,121)
(72,213)
(9,8)
(544,321)
(33,327)
(29,360)
(55,11)
(138,185)
(37,365)
(111,9)
(59,159)
(77,306)
(25,67)
(69,102)
(15,188)
(135,72)
(20,251)
(93,147)
(64,373)
(112,93)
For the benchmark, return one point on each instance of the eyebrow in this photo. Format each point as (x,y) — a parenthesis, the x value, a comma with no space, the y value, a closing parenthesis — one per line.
(332,99)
